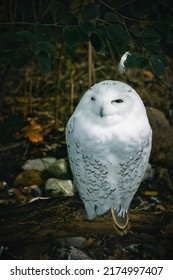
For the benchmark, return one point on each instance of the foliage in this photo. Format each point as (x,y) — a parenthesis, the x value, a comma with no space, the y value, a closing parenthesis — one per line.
(33,29)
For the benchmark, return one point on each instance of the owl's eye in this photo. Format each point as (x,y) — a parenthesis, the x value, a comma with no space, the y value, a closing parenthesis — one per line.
(93,98)
(117,101)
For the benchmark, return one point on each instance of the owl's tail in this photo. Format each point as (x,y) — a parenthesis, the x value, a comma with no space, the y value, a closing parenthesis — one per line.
(121,225)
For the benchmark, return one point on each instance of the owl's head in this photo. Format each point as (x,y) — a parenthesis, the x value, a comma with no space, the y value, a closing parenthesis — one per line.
(110,102)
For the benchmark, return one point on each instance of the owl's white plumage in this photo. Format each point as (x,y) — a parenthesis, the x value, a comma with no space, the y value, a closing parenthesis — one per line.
(109,143)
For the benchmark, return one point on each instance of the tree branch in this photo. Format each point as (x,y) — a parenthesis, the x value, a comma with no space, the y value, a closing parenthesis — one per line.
(64,217)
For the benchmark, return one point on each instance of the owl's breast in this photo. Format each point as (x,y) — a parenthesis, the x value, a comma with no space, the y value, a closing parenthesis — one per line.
(103,142)
(109,141)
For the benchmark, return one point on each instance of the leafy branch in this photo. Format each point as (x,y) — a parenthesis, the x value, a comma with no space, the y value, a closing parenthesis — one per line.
(137,27)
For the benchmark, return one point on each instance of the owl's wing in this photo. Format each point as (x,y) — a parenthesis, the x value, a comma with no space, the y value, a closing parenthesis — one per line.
(90,174)
(75,154)
(130,175)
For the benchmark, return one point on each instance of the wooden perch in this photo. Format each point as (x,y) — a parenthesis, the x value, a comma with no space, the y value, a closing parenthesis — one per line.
(63,217)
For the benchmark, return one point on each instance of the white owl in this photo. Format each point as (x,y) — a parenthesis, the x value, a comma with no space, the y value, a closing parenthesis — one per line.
(109,143)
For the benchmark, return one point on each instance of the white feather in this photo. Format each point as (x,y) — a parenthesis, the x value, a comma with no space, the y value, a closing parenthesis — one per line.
(121,66)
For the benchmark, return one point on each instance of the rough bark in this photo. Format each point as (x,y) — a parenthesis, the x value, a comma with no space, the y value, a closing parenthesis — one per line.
(36,221)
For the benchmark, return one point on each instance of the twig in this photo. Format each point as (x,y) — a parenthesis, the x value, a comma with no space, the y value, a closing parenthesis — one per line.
(122,16)
(89,64)
(14,146)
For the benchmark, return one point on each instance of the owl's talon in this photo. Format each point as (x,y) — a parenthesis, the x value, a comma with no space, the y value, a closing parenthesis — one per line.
(120,222)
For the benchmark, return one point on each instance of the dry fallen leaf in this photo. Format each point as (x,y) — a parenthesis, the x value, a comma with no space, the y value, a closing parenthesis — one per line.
(34,137)
(32,131)
(151,193)
(148,74)
(160,207)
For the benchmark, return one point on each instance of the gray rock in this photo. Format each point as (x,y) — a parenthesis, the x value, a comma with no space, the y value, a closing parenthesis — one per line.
(77,241)
(39,164)
(162,146)
(149,173)
(56,187)
(29,178)
(57,167)
(76,254)
(61,251)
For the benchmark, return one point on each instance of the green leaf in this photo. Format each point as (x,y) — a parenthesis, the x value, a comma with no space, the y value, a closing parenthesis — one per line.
(113,17)
(160,25)
(81,35)
(47,47)
(156,65)
(43,32)
(97,42)
(26,36)
(140,61)
(135,31)
(91,11)
(70,36)
(117,33)
(68,19)
(130,60)
(87,27)
(44,62)
(151,34)
(152,47)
